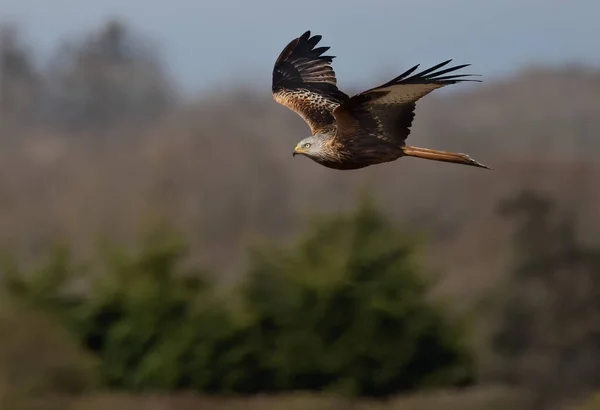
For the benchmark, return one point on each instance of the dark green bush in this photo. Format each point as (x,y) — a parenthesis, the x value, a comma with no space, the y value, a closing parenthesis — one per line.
(149,319)
(345,309)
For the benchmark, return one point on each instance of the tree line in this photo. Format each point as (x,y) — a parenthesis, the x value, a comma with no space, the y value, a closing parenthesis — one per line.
(345,308)
(106,79)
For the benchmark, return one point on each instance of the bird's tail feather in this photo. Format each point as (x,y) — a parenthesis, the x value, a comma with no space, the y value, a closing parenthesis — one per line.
(443,156)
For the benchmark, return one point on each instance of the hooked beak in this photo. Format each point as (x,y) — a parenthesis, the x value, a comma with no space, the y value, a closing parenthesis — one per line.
(297,151)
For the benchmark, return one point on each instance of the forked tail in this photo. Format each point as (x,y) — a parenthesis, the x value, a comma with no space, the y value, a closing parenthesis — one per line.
(443,156)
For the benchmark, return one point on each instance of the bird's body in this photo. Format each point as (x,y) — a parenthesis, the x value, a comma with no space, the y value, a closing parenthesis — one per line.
(366,129)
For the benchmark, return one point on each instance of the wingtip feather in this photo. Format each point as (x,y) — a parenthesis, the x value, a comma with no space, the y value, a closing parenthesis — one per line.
(430,74)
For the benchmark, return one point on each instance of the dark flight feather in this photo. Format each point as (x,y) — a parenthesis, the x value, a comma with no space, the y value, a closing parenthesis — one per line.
(385,113)
(304,81)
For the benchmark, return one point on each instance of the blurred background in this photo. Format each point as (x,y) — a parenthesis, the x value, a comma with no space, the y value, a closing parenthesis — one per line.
(160,248)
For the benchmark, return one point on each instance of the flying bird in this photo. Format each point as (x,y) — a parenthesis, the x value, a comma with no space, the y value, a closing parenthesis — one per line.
(366,129)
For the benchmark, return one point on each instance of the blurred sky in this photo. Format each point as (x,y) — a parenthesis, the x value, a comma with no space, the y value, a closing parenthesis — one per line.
(207,43)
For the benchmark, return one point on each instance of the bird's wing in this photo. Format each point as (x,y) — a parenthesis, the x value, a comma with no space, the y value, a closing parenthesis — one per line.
(386,113)
(304,81)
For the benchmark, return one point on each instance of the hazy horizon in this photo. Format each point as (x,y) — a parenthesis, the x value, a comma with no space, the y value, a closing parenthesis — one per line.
(207,44)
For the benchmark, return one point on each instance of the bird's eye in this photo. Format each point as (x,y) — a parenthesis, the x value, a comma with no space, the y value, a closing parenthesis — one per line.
(307,145)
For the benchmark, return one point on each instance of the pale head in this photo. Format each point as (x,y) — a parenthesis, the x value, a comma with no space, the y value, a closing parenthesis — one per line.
(310,146)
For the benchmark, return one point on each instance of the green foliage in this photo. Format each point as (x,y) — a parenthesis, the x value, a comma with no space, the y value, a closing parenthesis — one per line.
(147,317)
(144,316)
(346,309)
(44,285)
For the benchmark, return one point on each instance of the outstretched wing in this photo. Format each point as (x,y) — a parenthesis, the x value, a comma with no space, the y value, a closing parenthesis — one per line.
(386,113)
(304,81)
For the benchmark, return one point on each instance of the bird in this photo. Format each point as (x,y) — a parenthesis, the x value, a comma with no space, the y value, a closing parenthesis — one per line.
(369,128)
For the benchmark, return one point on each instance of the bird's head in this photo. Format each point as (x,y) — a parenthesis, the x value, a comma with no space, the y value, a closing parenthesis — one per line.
(310,146)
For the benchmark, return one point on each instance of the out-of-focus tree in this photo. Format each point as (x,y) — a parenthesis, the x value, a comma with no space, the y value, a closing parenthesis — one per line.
(145,318)
(347,310)
(153,324)
(19,81)
(110,78)
(549,330)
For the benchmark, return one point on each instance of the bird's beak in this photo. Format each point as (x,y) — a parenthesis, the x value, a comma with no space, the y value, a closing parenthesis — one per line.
(297,151)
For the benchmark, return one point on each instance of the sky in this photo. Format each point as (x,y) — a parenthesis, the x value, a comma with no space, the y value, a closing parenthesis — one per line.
(209,43)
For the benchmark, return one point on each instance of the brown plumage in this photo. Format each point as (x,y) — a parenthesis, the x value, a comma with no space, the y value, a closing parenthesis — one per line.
(366,129)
